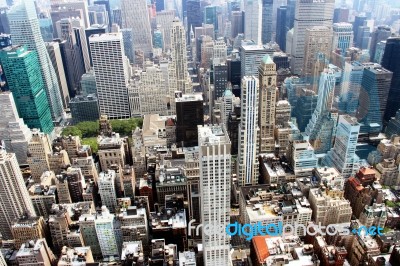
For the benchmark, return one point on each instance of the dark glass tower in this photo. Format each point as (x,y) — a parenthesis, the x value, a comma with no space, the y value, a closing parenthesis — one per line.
(391,61)
(267,30)
(281,27)
(189,114)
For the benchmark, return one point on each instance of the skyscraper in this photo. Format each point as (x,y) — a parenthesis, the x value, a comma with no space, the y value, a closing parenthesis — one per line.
(359,21)
(38,148)
(127,37)
(15,200)
(194,18)
(53,49)
(165,19)
(189,114)
(282,27)
(342,36)
(111,72)
(237,23)
(308,14)
(382,33)
(253,20)
(136,16)
(267,29)
(13,132)
(341,14)
(247,166)
(373,97)
(22,70)
(391,61)
(267,102)
(24,27)
(319,130)
(179,78)
(318,42)
(215,148)
(343,154)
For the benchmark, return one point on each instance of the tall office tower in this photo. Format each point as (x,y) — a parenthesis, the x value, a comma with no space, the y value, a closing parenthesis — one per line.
(15,200)
(373,97)
(247,164)
(215,148)
(251,56)
(24,27)
(165,20)
(88,83)
(267,18)
(179,69)
(393,126)
(72,5)
(135,15)
(108,195)
(194,17)
(88,232)
(106,4)
(13,132)
(267,102)
(253,20)
(220,78)
(343,154)
(342,36)
(111,73)
(237,23)
(106,229)
(318,42)
(189,114)
(291,13)
(53,49)
(319,130)
(351,86)
(94,29)
(153,90)
(308,14)
(210,16)
(98,15)
(38,148)
(282,27)
(127,37)
(382,33)
(117,16)
(359,21)
(22,71)
(379,51)
(46,28)
(391,61)
(71,52)
(219,50)
(341,14)
(4,25)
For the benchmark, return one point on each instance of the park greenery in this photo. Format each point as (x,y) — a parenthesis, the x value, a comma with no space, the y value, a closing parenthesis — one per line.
(89,130)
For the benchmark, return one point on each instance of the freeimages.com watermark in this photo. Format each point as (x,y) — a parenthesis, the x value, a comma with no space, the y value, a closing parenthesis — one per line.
(248,231)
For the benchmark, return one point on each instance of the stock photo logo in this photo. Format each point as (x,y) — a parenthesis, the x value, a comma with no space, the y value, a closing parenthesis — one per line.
(248,231)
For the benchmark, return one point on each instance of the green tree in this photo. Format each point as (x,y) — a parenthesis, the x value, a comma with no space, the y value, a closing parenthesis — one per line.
(89,128)
(72,130)
(92,142)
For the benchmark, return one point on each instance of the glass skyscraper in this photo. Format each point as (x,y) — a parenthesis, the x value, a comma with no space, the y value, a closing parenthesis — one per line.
(22,71)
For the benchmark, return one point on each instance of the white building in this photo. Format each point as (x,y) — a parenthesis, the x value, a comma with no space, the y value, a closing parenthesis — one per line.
(24,27)
(219,50)
(135,15)
(253,20)
(302,157)
(251,56)
(105,225)
(14,197)
(343,154)
(13,131)
(215,188)
(248,133)
(342,36)
(164,19)
(112,74)
(307,15)
(108,195)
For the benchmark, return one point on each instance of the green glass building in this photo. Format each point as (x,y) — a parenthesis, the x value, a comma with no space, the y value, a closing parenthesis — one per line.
(22,70)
